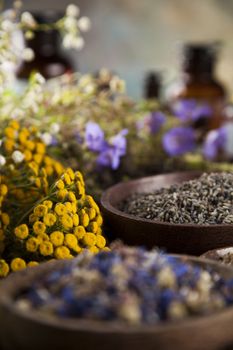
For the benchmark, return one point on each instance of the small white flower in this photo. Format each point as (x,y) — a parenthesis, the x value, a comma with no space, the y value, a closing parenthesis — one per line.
(90,88)
(28,54)
(72,10)
(8,25)
(84,24)
(78,43)
(54,128)
(39,78)
(28,20)
(70,24)
(17,156)
(2,160)
(117,85)
(46,138)
(68,41)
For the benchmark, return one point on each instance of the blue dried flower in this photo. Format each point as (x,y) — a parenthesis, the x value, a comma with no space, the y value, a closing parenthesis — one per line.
(179,140)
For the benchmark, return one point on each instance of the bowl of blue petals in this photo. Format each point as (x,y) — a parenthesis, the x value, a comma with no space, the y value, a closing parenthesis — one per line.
(184,213)
(127,298)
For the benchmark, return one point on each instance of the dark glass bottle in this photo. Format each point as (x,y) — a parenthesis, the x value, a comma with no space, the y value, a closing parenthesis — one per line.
(152,85)
(48,61)
(198,82)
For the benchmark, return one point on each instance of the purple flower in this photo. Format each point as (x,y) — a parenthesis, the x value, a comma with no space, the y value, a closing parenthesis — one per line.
(94,137)
(179,140)
(153,121)
(113,151)
(191,110)
(215,142)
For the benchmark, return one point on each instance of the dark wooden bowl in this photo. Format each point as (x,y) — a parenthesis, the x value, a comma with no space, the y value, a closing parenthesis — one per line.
(22,330)
(175,238)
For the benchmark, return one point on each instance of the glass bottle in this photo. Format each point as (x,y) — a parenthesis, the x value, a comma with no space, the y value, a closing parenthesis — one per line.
(49,61)
(152,85)
(198,82)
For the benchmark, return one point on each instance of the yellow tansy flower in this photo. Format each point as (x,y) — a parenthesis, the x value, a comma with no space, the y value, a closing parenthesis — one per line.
(79,232)
(66,221)
(70,241)
(75,219)
(67,179)
(71,196)
(60,209)
(18,264)
(32,218)
(21,231)
(38,182)
(91,213)
(77,249)
(4,268)
(61,194)
(2,235)
(38,158)
(70,173)
(46,248)
(39,227)
(62,253)
(68,206)
(49,219)
(49,170)
(79,177)
(14,124)
(89,239)
(48,204)
(48,160)
(42,237)
(9,145)
(40,148)
(93,227)
(5,218)
(57,238)
(80,188)
(27,155)
(10,132)
(84,218)
(60,185)
(34,167)
(100,241)
(32,263)
(40,210)
(3,189)
(32,244)
(94,249)
(99,220)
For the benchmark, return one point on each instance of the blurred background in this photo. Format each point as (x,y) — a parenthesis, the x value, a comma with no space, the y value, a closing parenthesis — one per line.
(133,37)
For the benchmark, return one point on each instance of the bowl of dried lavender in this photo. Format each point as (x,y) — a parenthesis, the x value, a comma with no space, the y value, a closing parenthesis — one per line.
(125,298)
(187,212)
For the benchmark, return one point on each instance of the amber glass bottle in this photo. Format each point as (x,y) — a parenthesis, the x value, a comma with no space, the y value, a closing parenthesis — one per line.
(152,85)
(198,82)
(46,45)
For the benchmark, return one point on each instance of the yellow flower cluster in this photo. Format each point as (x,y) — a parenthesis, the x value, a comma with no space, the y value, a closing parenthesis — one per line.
(59,227)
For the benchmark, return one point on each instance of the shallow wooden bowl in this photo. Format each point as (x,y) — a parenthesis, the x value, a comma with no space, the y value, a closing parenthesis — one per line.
(175,238)
(32,331)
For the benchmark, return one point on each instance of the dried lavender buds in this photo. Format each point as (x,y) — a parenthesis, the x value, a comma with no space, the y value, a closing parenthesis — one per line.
(128,285)
(206,200)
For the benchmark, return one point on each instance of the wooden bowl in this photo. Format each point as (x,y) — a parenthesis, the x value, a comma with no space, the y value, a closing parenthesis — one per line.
(22,330)
(174,238)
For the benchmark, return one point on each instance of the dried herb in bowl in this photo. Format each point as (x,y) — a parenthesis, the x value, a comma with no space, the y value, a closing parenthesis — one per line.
(129,285)
(207,200)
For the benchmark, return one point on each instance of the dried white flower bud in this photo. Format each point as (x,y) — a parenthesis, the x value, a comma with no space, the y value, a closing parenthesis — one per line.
(28,20)
(28,54)
(72,10)
(84,24)
(78,43)
(39,78)
(54,128)
(2,160)
(117,85)
(46,138)
(17,157)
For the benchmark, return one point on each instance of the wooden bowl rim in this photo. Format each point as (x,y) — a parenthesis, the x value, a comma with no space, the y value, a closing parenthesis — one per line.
(93,326)
(106,203)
